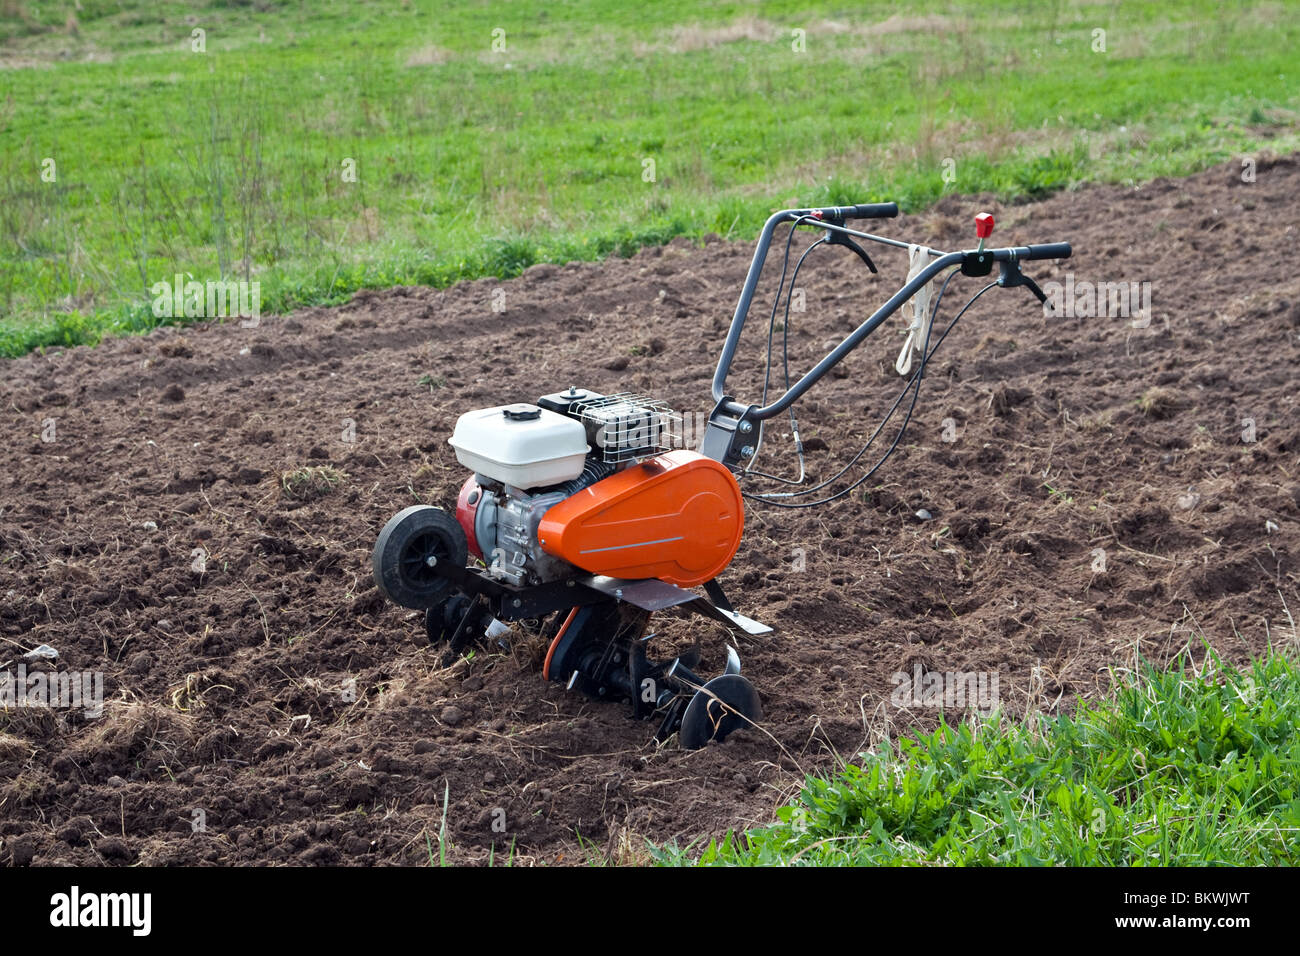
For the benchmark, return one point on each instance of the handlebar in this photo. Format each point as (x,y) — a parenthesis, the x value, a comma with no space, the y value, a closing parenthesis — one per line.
(1047,250)
(832,218)
(730,435)
(865,210)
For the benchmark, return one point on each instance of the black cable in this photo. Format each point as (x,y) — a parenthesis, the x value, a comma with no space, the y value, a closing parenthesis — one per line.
(776,302)
(812,489)
(785,360)
(914,384)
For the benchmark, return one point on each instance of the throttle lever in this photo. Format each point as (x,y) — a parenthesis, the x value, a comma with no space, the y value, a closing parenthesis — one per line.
(839,239)
(1010,276)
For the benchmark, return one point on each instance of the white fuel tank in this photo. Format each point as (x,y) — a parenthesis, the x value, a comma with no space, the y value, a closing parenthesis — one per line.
(521,445)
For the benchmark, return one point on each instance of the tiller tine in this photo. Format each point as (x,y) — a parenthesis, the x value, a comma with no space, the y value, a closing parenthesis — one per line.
(724,704)
(601,651)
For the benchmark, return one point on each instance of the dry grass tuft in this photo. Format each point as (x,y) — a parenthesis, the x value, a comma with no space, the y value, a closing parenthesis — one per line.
(12,747)
(931,23)
(626,848)
(132,727)
(685,39)
(315,481)
(1159,403)
(429,56)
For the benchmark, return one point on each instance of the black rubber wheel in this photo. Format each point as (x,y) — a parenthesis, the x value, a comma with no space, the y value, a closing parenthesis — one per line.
(725,704)
(400,560)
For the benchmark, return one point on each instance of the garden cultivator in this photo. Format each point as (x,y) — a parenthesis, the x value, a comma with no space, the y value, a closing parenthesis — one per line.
(584,513)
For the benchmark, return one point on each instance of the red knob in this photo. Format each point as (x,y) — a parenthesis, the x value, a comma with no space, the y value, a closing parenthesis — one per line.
(984,225)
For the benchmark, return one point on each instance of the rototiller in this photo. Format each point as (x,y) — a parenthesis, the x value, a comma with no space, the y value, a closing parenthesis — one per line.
(584,515)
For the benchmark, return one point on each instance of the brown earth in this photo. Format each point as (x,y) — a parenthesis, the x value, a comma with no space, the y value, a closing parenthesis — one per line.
(227,668)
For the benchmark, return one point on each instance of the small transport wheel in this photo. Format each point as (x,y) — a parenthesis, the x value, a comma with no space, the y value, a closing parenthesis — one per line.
(408,550)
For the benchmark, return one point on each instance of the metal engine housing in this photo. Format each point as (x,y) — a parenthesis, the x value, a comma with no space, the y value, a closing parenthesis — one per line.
(504,521)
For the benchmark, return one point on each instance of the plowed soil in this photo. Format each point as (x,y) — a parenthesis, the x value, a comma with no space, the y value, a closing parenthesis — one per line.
(1095,493)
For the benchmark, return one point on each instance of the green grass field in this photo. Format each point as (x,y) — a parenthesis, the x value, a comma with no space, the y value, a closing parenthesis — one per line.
(1195,766)
(321,147)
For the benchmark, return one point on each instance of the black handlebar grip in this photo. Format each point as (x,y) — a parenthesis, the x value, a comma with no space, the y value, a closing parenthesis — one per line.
(1048,250)
(871,210)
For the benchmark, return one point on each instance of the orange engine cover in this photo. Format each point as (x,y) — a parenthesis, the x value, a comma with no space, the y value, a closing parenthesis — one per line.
(676,517)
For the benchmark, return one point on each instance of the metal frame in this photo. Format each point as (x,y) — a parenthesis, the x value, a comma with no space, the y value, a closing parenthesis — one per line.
(511,603)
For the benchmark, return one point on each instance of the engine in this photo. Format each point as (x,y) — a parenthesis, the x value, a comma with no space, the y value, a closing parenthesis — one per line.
(501,524)
(528,458)
(590,482)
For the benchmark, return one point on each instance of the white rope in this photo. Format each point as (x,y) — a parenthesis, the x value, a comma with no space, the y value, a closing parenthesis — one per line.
(915,311)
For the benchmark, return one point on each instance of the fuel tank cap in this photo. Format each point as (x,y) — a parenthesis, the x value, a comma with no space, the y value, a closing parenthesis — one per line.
(522,412)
